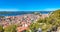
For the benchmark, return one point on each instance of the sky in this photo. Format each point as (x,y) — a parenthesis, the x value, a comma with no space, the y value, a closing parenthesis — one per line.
(29,5)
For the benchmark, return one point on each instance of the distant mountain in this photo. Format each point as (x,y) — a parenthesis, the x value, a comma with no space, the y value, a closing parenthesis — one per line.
(10,13)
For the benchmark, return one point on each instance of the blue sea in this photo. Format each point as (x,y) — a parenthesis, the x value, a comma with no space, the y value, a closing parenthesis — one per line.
(22,12)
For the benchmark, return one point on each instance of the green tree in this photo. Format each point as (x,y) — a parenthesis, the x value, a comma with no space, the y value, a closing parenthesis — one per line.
(10,28)
(1,28)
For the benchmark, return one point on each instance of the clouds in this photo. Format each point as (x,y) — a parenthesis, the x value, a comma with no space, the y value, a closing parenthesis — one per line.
(50,9)
(9,10)
(46,9)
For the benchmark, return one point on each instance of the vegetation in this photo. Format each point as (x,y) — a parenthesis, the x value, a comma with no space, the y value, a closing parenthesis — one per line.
(1,28)
(10,28)
(1,16)
(52,21)
(5,12)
